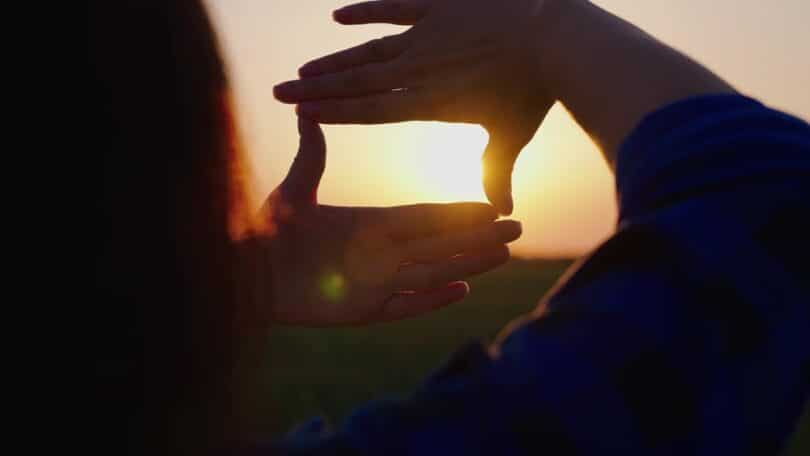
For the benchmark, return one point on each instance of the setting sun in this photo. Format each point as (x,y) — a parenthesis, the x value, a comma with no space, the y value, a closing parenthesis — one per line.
(452,165)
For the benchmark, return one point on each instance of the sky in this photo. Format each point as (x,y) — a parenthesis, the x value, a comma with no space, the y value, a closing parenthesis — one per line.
(563,190)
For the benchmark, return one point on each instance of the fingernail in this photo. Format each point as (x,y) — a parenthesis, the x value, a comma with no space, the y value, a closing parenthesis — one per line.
(336,14)
(510,229)
(461,289)
(304,71)
(280,91)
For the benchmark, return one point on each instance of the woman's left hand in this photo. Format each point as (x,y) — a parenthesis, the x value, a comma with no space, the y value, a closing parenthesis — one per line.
(327,266)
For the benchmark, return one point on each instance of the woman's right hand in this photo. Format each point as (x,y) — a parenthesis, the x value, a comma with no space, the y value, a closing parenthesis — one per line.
(471,61)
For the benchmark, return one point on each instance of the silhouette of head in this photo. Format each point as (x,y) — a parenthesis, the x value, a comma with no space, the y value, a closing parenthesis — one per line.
(164,198)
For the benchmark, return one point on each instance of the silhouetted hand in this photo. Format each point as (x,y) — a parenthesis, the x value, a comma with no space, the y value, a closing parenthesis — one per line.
(347,265)
(462,61)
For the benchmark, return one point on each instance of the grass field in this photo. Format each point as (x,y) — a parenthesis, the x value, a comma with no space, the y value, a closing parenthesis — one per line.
(328,372)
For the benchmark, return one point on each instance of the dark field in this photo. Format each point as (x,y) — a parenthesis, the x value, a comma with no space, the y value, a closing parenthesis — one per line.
(327,372)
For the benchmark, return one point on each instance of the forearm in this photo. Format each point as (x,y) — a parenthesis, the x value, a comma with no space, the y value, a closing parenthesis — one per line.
(609,73)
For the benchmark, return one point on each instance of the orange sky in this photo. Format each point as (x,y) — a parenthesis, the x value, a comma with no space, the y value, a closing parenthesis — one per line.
(563,191)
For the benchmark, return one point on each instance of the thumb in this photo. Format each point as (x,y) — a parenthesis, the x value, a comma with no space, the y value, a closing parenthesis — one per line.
(498,161)
(301,184)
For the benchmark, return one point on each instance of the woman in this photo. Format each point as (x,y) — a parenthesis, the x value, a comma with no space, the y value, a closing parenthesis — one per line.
(187,279)
(688,332)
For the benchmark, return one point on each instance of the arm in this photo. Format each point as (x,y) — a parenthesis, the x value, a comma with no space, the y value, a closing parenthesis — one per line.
(684,334)
(609,74)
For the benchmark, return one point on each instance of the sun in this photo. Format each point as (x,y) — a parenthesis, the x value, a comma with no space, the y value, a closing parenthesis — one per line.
(451,161)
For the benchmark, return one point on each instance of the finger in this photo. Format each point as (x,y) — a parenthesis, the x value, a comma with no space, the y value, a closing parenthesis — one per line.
(390,107)
(445,246)
(430,99)
(379,50)
(422,220)
(429,276)
(408,305)
(399,12)
(498,163)
(364,80)
(301,183)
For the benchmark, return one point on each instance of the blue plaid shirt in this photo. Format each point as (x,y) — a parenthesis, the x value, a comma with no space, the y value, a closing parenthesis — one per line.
(688,332)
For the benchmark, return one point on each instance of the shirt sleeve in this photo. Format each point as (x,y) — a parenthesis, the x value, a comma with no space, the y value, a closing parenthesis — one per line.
(688,332)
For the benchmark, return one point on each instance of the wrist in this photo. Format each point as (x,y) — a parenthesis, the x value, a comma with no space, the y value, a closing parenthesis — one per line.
(609,73)
(554,26)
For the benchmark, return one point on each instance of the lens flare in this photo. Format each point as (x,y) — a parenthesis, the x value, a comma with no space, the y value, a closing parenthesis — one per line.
(333,287)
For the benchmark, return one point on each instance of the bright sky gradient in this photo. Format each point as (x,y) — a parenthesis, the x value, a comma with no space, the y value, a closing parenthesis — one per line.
(563,190)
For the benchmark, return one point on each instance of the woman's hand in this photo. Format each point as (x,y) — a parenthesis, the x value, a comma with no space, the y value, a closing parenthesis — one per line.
(345,265)
(462,61)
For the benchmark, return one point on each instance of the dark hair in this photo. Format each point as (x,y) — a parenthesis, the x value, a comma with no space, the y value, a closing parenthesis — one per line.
(164,251)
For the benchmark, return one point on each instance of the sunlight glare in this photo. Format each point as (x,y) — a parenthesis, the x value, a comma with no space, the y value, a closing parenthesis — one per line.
(450,161)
